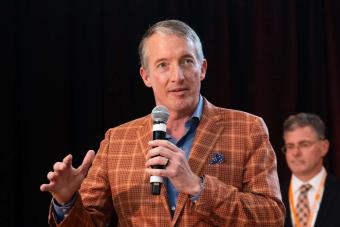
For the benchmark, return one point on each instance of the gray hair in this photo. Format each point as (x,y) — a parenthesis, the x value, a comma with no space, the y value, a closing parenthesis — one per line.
(303,120)
(171,27)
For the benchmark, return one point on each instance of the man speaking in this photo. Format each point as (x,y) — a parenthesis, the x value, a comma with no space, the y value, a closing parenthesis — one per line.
(220,168)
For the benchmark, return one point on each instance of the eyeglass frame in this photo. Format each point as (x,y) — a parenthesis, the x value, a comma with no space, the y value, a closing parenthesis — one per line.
(300,146)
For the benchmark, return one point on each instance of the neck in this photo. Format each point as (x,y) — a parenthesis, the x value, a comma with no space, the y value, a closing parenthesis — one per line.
(176,127)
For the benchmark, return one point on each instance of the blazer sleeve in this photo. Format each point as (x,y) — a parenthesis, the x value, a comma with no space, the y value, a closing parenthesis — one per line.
(94,192)
(257,202)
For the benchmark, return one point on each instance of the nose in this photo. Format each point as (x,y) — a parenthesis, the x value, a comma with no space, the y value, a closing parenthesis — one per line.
(177,74)
(296,150)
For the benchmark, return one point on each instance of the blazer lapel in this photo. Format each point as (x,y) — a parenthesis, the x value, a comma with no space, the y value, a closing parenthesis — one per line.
(145,134)
(288,219)
(206,136)
(207,133)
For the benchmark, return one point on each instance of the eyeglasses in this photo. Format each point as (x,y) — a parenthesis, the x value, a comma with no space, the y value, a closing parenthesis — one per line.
(301,146)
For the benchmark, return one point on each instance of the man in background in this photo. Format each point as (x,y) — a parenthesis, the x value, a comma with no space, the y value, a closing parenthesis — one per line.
(312,197)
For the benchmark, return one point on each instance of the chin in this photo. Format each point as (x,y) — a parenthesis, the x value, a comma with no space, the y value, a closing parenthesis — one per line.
(179,103)
(300,171)
(297,168)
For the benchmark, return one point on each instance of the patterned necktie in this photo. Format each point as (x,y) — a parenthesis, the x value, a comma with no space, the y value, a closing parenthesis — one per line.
(303,205)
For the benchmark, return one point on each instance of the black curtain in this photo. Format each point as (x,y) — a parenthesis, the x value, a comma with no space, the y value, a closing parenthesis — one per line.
(71,71)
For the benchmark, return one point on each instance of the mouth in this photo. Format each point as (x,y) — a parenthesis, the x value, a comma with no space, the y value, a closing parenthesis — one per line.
(178,90)
(297,162)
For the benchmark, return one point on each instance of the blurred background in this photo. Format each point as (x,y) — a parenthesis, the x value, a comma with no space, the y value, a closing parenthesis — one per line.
(71,72)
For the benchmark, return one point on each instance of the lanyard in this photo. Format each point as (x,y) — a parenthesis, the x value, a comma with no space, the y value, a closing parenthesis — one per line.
(316,200)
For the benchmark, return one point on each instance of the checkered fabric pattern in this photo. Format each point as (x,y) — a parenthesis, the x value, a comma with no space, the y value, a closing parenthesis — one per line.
(231,149)
(303,205)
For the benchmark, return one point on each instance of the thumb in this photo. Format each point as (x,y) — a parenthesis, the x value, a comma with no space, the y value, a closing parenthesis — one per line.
(87,161)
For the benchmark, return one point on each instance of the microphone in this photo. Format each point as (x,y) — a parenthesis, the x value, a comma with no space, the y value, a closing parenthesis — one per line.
(159,115)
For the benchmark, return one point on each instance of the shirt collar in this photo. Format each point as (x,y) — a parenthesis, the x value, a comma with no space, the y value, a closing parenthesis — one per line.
(193,121)
(199,109)
(314,182)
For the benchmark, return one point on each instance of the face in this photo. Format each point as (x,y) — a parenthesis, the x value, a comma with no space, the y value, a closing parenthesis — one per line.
(304,152)
(173,72)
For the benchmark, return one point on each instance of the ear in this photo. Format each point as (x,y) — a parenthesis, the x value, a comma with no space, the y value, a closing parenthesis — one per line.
(145,76)
(204,67)
(325,147)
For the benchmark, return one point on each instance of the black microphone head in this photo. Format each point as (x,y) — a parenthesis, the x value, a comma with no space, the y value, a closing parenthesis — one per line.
(160,113)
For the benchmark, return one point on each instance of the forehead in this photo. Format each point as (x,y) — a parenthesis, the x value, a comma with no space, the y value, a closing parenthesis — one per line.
(300,134)
(162,45)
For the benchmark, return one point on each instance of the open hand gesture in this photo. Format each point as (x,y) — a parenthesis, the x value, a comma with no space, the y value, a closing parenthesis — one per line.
(65,180)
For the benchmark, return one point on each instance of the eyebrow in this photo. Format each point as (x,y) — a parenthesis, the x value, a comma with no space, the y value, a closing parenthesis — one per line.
(302,141)
(160,60)
(188,56)
(182,57)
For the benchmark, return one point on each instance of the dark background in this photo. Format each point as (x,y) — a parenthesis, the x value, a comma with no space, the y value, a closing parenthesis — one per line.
(71,71)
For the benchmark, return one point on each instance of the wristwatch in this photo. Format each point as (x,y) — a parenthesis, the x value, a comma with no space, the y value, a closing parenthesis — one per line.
(193,198)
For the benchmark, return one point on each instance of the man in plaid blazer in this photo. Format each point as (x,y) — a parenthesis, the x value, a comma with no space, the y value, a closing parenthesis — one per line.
(220,168)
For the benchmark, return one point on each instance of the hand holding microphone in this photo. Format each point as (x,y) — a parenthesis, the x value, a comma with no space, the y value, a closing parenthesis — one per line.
(160,115)
(183,179)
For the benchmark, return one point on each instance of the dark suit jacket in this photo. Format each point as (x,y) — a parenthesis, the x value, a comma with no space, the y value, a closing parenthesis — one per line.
(241,191)
(329,211)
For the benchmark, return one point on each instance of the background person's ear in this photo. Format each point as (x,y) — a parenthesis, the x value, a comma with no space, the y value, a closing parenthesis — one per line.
(325,147)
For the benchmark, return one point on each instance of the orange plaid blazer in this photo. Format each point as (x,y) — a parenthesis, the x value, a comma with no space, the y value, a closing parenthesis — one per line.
(243,190)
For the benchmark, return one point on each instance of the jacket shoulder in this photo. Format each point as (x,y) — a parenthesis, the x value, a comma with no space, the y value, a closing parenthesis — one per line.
(237,116)
(128,127)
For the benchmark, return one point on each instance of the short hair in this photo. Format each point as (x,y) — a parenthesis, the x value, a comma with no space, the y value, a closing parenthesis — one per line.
(303,120)
(170,27)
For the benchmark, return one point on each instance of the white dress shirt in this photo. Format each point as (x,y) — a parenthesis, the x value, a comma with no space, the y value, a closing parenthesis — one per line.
(315,183)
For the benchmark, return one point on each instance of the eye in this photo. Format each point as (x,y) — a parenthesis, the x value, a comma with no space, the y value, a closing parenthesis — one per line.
(188,61)
(290,146)
(161,65)
(305,144)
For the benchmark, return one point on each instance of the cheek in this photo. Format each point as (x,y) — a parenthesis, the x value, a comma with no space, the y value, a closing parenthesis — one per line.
(195,80)
(161,79)
(289,157)
(158,82)
(315,158)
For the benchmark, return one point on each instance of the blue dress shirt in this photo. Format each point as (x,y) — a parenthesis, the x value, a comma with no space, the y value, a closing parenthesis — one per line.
(185,144)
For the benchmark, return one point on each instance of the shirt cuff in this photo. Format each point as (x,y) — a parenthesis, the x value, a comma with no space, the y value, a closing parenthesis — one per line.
(61,211)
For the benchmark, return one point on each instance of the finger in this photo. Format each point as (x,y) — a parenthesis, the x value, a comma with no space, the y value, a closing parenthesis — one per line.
(164,143)
(44,187)
(50,175)
(158,160)
(159,151)
(47,187)
(59,166)
(156,172)
(87,161)
(68,160)
(56,166)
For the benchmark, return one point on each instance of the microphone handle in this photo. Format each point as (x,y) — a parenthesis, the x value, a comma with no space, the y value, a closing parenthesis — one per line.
(158,135)
(156,186)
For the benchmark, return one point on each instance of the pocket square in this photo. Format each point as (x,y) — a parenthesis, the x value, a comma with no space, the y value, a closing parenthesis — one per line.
(216,158)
